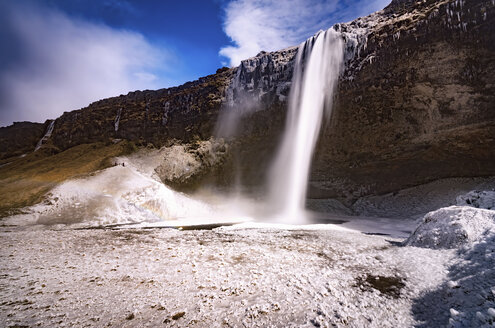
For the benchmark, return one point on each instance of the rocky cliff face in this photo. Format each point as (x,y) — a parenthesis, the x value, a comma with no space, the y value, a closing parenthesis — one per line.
(20,138)
(415,103)
(184,113)
(418,102)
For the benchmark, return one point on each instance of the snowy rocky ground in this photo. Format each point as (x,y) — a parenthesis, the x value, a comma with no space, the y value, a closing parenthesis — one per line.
(249,275)
(66,262)
(238,276)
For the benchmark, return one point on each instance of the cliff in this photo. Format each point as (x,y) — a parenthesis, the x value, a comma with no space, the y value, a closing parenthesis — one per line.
(415,103)
(20,138)
(419,103)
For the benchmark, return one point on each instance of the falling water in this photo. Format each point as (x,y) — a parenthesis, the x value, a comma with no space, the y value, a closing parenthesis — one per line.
(316,73)
(47,135)
(117,120)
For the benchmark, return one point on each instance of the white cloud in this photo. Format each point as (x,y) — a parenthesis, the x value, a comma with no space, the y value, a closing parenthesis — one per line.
(68,63)
(255,25)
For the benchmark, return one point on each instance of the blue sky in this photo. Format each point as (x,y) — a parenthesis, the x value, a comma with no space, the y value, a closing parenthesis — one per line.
(60,55)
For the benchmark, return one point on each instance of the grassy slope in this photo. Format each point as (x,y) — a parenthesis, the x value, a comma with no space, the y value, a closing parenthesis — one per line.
(26,180)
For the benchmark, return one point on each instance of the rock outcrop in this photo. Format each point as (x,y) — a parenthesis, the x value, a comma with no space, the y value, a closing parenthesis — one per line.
(185,166)
(20,138)
(479,199)
(415,103)
(183,113)
(419,100)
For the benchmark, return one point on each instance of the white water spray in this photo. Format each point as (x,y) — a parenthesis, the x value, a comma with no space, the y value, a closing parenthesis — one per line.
(117,120)
(47,135)
(316,74)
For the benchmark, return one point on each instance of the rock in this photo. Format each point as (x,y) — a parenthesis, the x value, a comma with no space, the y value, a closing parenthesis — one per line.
(178,315)
(184,166)
(265,78)
(20,138)
(328,206)
(454,312)
(423,122)
(186,113)
(414,103)
(130,316)
(451,227)
(480,316)
(452,284)
(160,306)
(478,199)
(491,312)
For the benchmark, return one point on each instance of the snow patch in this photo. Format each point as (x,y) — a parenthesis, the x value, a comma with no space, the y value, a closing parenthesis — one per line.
(415,202)
(221,277)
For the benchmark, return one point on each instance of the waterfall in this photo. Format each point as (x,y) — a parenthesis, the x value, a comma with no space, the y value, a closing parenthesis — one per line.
(316,72)
(117,120)
(166,108)
(46,136)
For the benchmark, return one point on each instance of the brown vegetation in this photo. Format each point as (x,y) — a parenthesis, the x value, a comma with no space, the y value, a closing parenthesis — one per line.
(24,180)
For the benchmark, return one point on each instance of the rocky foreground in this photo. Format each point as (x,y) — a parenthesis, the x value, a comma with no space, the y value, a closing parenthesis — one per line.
(245,276)
(255,275)
(212,278)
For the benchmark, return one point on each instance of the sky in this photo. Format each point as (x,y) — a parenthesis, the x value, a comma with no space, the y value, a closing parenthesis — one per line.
(61,55)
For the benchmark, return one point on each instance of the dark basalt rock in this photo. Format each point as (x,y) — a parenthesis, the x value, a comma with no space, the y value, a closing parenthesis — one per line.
(186,113)
(20,138)
(424,109)
(416,102)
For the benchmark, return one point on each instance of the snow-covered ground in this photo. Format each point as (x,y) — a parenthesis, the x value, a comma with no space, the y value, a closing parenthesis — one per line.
(237,276)
(246,275)
(415,202)
(100,251)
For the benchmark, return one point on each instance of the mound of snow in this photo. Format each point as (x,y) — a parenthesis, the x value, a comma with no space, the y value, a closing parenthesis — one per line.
(117,195)
(450,227)
(478,199)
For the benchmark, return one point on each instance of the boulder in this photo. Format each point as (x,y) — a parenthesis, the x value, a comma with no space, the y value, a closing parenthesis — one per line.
(182,166)
(451,227)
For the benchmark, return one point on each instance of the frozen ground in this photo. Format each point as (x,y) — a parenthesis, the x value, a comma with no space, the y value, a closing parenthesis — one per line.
(97,253)
(248,275)
(239,276)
